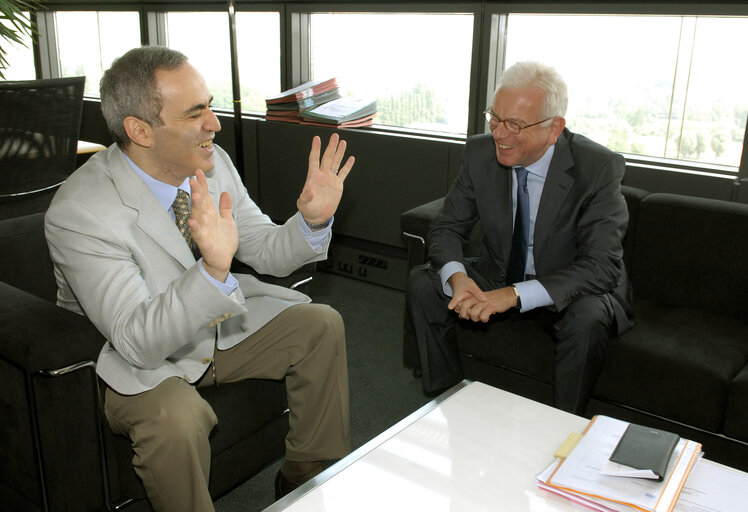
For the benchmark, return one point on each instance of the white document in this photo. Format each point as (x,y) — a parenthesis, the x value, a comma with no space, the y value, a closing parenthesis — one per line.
(580,472)
(585,501)
(712,487)
(613,469)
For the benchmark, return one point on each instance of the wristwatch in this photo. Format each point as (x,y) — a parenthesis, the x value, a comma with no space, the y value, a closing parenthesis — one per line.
(519,301)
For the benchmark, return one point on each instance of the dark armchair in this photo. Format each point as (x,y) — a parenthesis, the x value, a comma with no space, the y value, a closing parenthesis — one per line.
(58,451)
(683,367)
(516,356)
(39,130)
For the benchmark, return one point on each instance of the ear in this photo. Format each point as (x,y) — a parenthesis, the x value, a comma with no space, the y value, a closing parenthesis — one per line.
(138,131)
(557,126)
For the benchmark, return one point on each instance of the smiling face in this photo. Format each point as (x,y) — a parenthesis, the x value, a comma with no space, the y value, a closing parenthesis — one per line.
(524,106)
(184,140)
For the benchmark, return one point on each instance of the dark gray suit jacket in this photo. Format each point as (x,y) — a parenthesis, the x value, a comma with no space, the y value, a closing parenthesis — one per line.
(579,229)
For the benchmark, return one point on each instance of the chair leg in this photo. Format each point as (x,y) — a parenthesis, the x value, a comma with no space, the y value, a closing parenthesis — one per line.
(34,421)
(98,407)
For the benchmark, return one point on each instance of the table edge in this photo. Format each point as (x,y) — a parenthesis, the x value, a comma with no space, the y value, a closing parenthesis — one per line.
(366,448)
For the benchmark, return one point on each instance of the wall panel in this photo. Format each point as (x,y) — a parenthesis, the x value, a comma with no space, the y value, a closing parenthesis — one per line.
(391,175)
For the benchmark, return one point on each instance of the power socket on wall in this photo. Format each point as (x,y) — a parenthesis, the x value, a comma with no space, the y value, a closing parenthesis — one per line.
(388,271)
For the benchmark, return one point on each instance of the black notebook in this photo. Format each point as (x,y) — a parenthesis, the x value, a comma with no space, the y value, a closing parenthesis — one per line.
(645,448)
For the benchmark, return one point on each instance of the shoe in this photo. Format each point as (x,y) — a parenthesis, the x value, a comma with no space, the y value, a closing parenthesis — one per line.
(284,485)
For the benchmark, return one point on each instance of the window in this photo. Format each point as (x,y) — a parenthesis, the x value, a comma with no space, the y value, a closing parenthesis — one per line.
(19,58)
(259,58)
(88,42)
(646,85)
(204,38)
(416,66)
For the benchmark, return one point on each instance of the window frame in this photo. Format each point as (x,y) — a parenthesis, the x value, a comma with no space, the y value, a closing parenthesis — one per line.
(298,65)
(487,59)
(247,7)
(496,16)
(46,47)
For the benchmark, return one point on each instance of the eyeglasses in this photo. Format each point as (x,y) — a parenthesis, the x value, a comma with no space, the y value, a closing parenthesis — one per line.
(512,127)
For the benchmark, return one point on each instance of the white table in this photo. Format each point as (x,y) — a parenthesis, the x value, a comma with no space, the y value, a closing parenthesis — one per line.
(474,448)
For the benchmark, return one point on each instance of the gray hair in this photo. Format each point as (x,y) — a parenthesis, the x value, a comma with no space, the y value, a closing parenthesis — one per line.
(129,88)
(535,74)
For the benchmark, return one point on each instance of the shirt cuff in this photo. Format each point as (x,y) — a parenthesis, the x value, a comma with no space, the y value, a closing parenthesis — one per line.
(533,295)
(315,239)
(228,287)
(449,268)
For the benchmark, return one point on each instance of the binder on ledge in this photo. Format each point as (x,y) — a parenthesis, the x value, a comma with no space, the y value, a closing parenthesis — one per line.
(305,90)
(341,112)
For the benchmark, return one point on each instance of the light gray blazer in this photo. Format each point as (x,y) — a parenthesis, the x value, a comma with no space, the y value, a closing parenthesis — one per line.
(120,260)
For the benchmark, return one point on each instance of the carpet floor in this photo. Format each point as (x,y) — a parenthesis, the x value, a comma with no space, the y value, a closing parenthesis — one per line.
(382,390)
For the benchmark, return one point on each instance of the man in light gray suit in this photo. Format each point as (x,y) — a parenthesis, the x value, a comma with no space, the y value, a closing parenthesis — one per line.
(174,316)
(562,269)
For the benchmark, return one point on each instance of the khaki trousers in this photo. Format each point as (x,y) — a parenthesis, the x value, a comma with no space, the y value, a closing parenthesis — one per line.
(169,425)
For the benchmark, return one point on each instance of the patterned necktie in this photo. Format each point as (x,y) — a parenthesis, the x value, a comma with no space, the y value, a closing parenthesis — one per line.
(181,208)
(521,233)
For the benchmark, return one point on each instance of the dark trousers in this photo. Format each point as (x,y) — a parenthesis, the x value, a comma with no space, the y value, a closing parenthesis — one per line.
(581,333)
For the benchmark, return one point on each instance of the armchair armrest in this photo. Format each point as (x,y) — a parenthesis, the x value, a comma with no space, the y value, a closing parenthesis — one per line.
(37,335)
(415,225)
(298,279)
(417,221)
(53,412)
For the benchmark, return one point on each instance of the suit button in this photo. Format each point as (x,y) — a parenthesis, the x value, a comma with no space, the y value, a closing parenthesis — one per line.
(206,360)
(220,319)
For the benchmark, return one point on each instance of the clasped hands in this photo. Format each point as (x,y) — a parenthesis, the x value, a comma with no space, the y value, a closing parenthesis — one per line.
(472,303)
(214,230)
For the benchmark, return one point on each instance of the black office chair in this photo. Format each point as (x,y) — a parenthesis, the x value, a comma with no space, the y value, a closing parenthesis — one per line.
(39,126)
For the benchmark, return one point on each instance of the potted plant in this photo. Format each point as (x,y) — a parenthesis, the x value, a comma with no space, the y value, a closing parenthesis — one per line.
(14,25)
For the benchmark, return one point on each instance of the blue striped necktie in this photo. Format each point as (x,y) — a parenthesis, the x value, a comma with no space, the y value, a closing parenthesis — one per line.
(521,234)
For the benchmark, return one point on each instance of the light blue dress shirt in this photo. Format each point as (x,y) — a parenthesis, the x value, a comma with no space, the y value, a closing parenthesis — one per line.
(166,194)
(532,293)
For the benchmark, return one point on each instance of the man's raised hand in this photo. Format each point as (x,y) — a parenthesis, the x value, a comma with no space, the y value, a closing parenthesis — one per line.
(214,231)
(323,189)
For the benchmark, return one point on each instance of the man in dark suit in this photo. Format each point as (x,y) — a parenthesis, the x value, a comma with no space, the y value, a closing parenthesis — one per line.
(560,266)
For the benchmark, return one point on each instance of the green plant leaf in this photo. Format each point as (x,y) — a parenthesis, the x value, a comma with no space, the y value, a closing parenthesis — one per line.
(14,26)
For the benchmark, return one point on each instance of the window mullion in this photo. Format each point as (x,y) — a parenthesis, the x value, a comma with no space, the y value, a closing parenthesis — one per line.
(688,83)
(495,63)
(157,33)
(743,169)
(298,68)
(48,51)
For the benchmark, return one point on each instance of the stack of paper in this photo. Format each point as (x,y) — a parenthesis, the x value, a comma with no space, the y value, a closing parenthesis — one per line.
(343,112)
(288,105)
(579,476)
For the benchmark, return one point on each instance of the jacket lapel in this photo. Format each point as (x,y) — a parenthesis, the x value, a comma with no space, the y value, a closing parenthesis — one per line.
(153,220)
(504,203)
(215,193)
(557,185)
